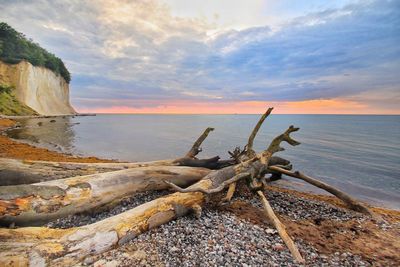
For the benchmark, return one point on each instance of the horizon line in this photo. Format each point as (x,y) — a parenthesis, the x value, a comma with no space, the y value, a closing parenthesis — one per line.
(166,113)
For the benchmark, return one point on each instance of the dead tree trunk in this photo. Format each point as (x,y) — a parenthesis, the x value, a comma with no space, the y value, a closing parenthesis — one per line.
(38,203)
(14,172)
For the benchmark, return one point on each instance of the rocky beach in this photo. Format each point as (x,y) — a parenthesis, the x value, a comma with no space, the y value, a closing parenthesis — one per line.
(237,233)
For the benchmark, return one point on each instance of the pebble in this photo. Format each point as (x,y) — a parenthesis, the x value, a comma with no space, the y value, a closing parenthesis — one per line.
(218,238)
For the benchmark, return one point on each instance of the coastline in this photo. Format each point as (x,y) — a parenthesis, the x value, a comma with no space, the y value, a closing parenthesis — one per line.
(45,116)
(329,236)
(10,148)
(14,149)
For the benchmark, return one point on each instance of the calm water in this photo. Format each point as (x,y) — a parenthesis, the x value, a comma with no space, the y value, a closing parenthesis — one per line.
(359,154)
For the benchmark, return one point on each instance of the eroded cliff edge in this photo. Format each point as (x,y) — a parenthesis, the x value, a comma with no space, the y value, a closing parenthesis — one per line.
(37,87)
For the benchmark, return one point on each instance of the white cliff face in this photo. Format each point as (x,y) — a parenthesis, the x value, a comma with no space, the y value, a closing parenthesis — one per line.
(37,87)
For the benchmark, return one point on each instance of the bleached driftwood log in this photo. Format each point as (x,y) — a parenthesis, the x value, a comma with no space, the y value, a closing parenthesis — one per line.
(40,246)
(34,204)
(40,202)
(14,172)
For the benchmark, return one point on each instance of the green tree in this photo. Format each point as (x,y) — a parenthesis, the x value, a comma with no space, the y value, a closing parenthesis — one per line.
(14,47)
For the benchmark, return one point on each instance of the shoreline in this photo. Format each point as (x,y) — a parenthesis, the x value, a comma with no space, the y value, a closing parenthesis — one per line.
(326,232)
(16,149)
(46,116)
(10,148)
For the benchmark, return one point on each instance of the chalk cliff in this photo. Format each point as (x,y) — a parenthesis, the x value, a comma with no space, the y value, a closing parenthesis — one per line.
(37,87)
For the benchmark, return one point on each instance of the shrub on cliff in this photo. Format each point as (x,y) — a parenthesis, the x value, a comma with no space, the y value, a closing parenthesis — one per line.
(9,104)
(14,47)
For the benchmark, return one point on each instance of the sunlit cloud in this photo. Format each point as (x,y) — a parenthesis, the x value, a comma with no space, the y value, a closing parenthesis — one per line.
(221,56)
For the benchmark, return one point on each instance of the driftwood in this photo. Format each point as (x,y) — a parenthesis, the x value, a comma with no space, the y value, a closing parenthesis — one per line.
(40,246)
(14,172)
(351,203)
(37,245)
(270,214)
(38,203)
(253,169)
(35,204)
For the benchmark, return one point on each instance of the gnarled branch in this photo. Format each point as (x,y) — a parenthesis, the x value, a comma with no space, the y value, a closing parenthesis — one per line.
(285,137)
(196,149)
(253,134)
(217,189)
(347,199)
(190,158)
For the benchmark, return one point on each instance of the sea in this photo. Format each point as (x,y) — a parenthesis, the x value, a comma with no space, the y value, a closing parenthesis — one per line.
(360,154)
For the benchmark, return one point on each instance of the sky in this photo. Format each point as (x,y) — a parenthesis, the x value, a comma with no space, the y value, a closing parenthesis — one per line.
(221,56)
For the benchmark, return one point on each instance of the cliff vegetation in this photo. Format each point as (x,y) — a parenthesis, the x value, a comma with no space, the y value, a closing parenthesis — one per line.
(15,47)
(9,105)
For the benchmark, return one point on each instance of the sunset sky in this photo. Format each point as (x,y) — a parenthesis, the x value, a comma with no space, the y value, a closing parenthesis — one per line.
(221,56)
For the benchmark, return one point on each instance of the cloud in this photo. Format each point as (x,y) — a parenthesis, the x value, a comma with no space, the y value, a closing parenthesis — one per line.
(149,52)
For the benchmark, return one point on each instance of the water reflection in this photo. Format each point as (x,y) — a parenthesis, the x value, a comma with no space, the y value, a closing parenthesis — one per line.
(52,133)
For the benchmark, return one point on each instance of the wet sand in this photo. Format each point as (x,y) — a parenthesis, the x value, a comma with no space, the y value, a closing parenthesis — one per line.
(17,150)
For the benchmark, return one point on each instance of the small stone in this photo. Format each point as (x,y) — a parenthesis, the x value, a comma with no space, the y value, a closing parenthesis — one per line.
(139,254)
(89,260)
(100,263)
(278,247)
(270,231)
(174,249)
(112,263)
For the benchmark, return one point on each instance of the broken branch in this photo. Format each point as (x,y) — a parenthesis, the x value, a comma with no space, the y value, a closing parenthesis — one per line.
(217,189)
(269,213)
(196,149)
(347,199)
(253,134)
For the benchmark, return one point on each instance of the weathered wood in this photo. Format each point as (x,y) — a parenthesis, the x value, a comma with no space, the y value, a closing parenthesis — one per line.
(191,160)
(253,134)
(40,202)
(230,193)
(14,172)
(67,247)
(347,199)
(253,168)
(247,153)
(270,214)
(196,149)
(62,247)
(40,246)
